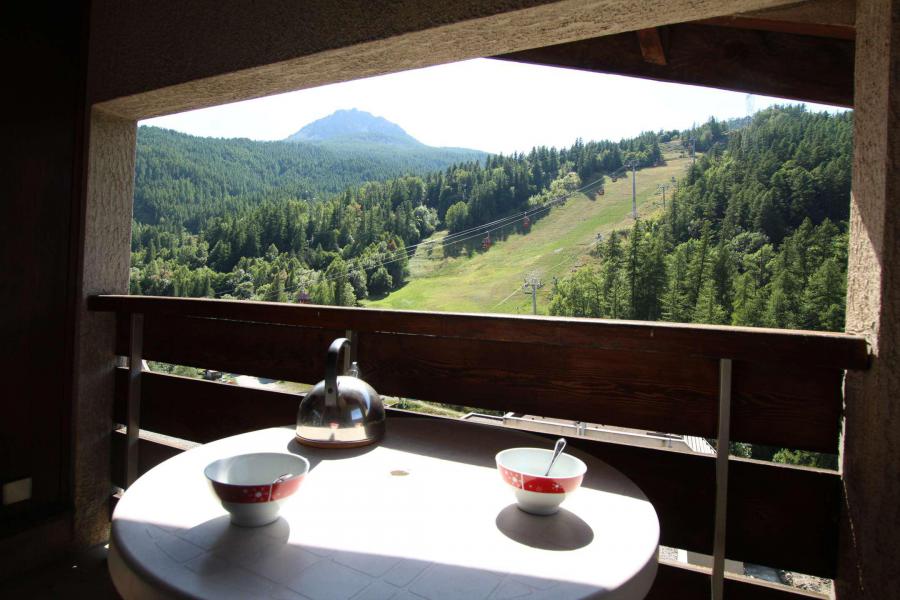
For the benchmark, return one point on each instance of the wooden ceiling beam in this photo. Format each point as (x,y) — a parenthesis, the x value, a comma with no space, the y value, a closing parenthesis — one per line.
(841,32)
(651,46)
(784,65)
(823,12)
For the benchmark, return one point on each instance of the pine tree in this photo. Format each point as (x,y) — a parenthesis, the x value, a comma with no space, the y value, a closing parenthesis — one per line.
(208,291)
(783,308)
(633,272)
(277,293)
(708,310)
(822,304)
(613,286)
(699,267)
(654,278)
(676,304)
(722,276)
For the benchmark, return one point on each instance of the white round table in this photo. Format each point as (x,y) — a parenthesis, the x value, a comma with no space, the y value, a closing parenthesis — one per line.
(423,514)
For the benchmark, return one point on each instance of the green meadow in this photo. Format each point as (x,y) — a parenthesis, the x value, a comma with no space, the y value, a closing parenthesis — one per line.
(491,281)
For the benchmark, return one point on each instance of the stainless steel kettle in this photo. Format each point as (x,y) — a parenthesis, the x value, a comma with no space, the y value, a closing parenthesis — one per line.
(341,411)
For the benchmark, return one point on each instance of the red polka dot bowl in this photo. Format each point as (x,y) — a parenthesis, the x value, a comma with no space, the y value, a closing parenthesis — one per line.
(252,487)
(523,470)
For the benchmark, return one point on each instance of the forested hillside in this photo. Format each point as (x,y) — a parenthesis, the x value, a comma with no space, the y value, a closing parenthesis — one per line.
(755,235)
(184,180)
(236,232)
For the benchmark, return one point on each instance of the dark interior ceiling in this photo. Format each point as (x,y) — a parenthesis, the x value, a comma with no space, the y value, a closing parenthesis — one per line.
(798,61)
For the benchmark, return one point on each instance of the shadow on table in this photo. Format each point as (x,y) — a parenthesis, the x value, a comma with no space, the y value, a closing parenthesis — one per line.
(218,560)
(232,541)
(561,531)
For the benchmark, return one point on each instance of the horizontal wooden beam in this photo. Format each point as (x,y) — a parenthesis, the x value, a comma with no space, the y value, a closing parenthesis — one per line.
(203,411)
(773,63)
(274,351)
(769,346)
(825,30)
(151,451)
(840,13)
(778,516)
(656,391)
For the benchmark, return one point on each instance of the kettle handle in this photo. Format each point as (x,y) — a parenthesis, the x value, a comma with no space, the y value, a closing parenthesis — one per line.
(331,371)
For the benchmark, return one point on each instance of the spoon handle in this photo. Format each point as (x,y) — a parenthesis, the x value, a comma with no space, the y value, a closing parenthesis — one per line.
(557,450)
(278,479)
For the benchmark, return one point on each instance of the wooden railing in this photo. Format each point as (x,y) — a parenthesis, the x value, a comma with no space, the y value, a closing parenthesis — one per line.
(786,391)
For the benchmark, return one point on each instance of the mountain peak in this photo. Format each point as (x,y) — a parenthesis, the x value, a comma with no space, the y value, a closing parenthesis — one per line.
(353,125)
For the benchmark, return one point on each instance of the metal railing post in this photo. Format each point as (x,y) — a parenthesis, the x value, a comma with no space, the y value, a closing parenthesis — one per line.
(133,400)
(722,452)
(350,357)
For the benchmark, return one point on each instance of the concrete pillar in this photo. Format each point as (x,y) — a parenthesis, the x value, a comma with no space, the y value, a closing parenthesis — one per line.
(104,259)
(869,567)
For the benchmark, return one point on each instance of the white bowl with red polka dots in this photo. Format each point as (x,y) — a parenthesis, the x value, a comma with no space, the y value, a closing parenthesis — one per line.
(252,487)
(523,470)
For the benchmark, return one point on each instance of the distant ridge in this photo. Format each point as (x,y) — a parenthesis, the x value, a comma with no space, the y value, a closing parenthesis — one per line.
(354,125)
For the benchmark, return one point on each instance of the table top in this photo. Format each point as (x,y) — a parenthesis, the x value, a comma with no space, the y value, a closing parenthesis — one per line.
(422,514)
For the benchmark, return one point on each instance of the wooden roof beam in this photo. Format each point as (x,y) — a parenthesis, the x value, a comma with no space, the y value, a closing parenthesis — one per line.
(651,46)
(841,32)
(821,12)
(822,18)
(772,63)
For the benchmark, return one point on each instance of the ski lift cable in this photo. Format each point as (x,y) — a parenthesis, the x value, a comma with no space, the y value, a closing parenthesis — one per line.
(402,253)
(394,256)
(475,231)
(455,238)
(500,224)
(509,218)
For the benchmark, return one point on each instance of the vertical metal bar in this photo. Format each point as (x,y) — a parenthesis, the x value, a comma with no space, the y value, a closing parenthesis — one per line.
(722,451)
(350,356)
(133,405)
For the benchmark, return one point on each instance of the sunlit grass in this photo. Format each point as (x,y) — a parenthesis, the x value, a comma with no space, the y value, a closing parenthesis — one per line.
(557,244)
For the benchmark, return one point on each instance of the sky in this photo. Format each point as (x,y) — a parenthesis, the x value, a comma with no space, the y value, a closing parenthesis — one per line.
(490,105)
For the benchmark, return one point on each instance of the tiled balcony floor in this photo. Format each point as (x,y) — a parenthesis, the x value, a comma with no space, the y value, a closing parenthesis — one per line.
(82,576)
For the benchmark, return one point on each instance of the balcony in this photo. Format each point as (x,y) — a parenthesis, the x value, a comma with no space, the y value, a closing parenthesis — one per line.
(786,390)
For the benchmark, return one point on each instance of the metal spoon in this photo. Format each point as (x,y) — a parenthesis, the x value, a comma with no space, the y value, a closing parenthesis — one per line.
(557,450)
(278,479)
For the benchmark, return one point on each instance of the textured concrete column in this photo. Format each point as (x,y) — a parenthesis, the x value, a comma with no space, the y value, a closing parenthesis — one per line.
(104,260)
(869,566)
